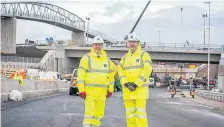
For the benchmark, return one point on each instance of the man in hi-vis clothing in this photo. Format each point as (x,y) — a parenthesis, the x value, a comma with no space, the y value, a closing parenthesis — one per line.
(95,82)
(134,70)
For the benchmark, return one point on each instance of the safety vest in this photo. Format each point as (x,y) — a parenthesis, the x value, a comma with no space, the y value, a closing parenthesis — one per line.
(19,78)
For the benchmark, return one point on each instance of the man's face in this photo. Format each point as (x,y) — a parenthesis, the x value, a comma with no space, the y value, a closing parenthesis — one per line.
(133,45)
(97,47)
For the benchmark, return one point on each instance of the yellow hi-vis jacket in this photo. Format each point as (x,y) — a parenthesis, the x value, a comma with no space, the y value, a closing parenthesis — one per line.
(137,68)
(96,75)
(19,78)
(115,69)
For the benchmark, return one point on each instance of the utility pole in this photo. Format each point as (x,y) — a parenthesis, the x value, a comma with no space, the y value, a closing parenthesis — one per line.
(181,25)
(159,38)
(54,44)
(204,16)
(181,9)
(87,18)
(208,42)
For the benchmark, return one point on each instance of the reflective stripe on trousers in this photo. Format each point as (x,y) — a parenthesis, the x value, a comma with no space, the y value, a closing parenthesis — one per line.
(94,112)
(92,118)
(97,85)
(134,112)
(136,115)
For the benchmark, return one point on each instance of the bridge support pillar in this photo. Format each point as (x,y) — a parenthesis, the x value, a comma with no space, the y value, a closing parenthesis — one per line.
(78,38)
(8,35)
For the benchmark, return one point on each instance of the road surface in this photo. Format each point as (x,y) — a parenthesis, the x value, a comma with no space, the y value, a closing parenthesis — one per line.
(67,111)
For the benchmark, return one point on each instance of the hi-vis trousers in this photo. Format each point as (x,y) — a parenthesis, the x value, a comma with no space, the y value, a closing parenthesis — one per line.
(94,112)
(136,115)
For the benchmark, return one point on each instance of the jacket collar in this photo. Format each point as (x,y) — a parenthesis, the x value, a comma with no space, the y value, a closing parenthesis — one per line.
(93,53)
(136,52)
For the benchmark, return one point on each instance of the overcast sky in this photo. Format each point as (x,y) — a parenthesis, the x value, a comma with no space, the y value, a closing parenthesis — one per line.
(116,18)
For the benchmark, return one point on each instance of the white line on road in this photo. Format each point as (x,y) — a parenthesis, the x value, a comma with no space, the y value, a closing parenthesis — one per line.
(205,113)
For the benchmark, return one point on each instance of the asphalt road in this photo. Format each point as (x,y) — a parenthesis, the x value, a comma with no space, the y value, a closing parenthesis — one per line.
(67,111)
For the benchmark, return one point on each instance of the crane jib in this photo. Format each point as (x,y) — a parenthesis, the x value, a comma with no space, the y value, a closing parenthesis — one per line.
(140,16)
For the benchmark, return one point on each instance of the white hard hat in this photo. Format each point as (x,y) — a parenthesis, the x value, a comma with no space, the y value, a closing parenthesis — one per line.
(97,39)
(132,37)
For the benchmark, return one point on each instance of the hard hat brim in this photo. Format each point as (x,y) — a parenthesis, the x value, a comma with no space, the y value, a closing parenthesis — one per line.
(133,40)
(97,43)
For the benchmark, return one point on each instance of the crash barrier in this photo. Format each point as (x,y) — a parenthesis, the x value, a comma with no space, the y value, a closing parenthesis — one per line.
(211,95)
(32,88)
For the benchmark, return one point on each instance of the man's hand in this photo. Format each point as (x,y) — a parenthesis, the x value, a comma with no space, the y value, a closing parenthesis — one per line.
(131,86)
(82,95)
(109,94)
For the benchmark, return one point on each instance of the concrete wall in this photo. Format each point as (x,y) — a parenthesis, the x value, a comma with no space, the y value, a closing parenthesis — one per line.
(8,35)
(213,71)
(32,88)
(67,65)
(27,51)
(63,64)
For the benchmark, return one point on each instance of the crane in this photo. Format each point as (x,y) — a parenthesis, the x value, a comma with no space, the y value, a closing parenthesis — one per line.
(136,23)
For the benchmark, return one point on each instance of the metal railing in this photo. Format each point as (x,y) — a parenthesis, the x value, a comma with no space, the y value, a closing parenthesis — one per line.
(182,46)
(106,37)
(164,46)
(47,12)
(210,95)
(177,47)
(20,59)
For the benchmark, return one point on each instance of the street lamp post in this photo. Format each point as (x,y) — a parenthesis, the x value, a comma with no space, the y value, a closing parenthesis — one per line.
(159,38)
(54,44)
(181,71)
(208,42)
(87,18)
(204,16)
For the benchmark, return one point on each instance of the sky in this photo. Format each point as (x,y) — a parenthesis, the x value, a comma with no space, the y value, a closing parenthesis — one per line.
(116,18)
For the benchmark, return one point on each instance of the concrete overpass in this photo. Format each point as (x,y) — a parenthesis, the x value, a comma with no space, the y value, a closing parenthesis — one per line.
(41,12)
(185,56)
(69,57)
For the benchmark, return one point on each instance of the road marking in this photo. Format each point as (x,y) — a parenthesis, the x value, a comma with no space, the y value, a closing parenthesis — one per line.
(205,113)
(65,105)
(185,103)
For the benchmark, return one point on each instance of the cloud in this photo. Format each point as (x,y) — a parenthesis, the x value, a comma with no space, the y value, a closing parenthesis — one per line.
(37,31)
(118,7)
(169,22)
(117,18)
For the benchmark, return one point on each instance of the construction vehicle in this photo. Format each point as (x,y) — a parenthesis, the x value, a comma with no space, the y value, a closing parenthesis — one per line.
(67,77)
